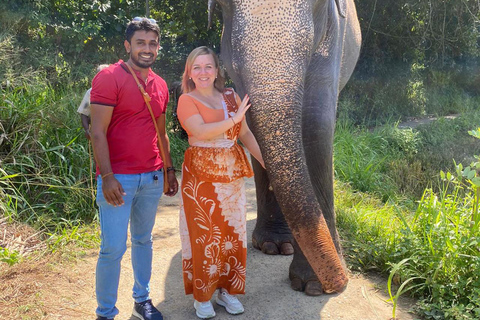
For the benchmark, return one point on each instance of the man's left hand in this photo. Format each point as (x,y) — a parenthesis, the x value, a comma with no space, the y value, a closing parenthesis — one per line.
(172,183)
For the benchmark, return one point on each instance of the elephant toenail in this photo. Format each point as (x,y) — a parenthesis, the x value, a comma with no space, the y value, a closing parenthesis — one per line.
(296,284)
(287,248)
(270,248)
(313,288)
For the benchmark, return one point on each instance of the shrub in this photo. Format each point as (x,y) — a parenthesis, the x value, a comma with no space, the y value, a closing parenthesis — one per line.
(433,252)
(45,168)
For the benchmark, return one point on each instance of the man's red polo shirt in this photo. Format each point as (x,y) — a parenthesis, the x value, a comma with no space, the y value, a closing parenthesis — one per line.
(131,135)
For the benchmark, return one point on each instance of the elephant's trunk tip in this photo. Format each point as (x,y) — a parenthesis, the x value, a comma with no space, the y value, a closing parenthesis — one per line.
(324,258)
(338,285)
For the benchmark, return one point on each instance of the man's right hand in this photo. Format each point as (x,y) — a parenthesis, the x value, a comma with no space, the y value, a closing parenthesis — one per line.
(113,191)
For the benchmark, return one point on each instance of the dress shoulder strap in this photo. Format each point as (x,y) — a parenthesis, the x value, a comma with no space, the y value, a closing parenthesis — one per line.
(229,97)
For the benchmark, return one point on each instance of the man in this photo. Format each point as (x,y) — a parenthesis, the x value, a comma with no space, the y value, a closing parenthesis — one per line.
(84,107)
(130,180)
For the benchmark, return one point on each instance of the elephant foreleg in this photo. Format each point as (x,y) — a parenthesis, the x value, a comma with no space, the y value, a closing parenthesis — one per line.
(271,234)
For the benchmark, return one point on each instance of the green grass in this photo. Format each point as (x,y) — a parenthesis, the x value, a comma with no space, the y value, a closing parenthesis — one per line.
(400,163)
(45,169)
(432,253)
(365,158)
(46,173)
(437,240)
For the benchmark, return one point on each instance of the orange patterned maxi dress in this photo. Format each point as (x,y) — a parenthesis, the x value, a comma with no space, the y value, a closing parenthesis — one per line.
(213,212)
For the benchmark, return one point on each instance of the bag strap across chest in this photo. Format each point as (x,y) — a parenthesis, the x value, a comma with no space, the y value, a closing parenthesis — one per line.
(147,99)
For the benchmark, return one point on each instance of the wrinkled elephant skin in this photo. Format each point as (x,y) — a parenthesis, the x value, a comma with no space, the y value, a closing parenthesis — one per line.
(293,57)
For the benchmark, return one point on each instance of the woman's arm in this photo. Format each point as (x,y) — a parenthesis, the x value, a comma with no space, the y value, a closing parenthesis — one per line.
(249,141)
(205,131)
(247,137)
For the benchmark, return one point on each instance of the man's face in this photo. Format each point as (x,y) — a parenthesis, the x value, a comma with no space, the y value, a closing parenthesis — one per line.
(143,48)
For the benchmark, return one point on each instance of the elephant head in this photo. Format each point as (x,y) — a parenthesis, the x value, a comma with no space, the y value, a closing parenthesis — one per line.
(291,57)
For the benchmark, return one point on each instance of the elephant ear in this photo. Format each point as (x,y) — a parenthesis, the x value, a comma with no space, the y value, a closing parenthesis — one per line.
(342,7)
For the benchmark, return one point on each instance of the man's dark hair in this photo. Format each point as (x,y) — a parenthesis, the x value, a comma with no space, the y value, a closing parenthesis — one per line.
(142,24)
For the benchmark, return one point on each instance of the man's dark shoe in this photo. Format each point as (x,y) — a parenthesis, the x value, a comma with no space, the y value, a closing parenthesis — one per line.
(103,318)
(146,311)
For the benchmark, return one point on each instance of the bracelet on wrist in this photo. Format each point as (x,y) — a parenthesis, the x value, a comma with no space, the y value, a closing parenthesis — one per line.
(170,169)
(107,174)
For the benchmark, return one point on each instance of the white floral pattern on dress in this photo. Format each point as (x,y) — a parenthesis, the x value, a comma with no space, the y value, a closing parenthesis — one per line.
(229,245)
(219,259)
(233,203)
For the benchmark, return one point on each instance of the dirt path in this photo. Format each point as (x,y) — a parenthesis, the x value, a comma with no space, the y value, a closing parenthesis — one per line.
(53,290)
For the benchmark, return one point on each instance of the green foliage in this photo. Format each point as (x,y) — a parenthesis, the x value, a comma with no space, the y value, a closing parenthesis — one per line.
(184,27)
(9,257)
(443,238)
(371,227)
(393,162)
(432,33)
(360,158)
(403,94)
(445,139)
(45,176)
(433,254)
(372,100)
(67,39)
(404,287)
(380,161)
(418,58)
(72,234)
(178,142)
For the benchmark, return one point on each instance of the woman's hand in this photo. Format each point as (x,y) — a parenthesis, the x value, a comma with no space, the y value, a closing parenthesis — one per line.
(242,109)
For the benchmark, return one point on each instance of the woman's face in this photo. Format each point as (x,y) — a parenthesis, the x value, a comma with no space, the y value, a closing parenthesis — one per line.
(203,71)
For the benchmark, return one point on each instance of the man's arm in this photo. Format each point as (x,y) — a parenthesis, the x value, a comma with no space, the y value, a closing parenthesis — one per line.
(111,188)
(167,162)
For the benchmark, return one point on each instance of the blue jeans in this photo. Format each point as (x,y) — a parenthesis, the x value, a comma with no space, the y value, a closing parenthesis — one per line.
(143,191)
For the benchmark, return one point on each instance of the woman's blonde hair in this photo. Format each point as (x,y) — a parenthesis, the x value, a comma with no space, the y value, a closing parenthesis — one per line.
(187,83)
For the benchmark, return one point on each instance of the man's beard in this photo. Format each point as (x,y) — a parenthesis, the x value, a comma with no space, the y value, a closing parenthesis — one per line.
(140,64)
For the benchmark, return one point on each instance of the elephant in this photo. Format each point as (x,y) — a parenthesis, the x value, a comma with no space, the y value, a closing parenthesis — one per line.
(293,57)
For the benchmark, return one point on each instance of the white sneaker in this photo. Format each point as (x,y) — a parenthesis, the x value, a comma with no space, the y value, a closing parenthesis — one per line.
(204,309)
(231,303)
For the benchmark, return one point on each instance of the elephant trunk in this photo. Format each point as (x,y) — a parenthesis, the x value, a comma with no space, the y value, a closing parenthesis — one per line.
(282,148)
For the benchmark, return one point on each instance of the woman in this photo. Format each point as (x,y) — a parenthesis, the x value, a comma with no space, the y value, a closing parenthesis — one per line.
(213,209)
